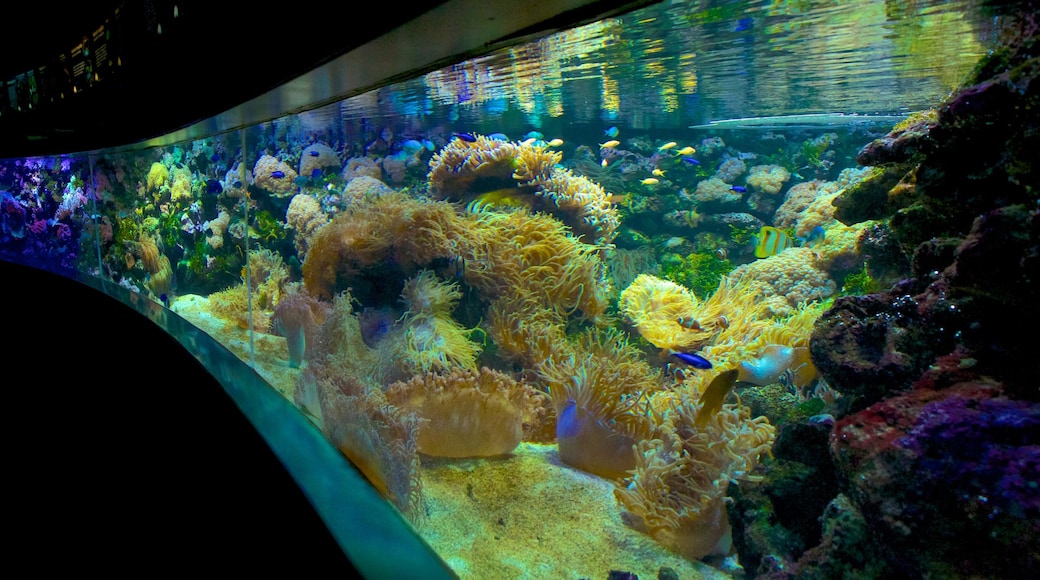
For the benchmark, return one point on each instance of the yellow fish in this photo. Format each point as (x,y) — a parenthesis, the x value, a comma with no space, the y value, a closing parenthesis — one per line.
(507,198)
(603,163)
(658,172)
(610,144)
(649,181)
(686,151)
(667,146)
(771,241)
(714,395)
(554,143)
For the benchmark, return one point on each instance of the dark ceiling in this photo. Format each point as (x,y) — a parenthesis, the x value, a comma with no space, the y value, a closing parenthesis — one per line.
(156,72)
(105,73)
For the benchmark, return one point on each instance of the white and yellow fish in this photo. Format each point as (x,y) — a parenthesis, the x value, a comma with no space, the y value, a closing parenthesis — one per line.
(667,146)
(686,151)
(554,143)
(658,172)
(649,181)
(771,241)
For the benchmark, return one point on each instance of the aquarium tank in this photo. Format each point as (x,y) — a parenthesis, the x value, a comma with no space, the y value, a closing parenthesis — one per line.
(695,290)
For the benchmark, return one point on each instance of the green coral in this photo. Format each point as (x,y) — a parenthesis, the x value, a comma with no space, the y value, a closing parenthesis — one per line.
(741,236)
(701,272)
(859,284)
(268,227)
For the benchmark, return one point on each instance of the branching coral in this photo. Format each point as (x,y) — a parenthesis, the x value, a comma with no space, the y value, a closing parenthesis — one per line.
(468,413)
(676,494)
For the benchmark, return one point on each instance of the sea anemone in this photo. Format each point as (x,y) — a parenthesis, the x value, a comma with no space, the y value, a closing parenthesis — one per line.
(677,491)
(468,413)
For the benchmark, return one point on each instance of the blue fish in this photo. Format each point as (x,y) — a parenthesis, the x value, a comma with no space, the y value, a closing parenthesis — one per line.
(825,419)
(534,135)
(743,24)
(213,187)
(277,174)
(691,161)
(739,189)
(314,154)
(694,360)
(611,132)
(815,237)
(568,424)
(316,173)
(467,137)
(215,157)
(498,137)
(165,299)
(411,147)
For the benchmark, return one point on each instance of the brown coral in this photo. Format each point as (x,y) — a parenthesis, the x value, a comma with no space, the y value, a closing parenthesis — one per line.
(469,413)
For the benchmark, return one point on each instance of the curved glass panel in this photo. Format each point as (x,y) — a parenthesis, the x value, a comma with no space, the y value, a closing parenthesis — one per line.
(560,303)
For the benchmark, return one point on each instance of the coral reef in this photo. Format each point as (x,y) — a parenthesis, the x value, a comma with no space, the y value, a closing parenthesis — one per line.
(938,439)
(716,190)
(669,316)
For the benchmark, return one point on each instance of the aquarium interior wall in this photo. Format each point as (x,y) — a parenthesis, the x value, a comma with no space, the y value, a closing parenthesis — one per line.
(483,291)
